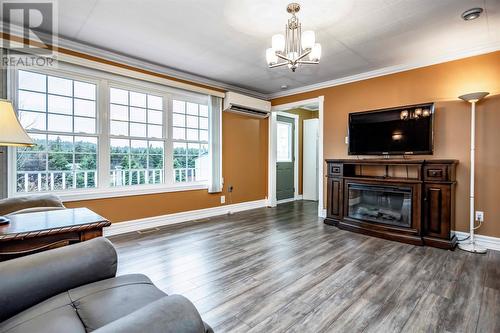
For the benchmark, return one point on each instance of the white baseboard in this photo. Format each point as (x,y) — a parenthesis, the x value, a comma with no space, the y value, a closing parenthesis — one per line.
(323,213)
(158,221)
(491,243)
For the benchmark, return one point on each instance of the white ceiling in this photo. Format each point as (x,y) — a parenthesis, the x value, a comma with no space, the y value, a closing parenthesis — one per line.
(225,40)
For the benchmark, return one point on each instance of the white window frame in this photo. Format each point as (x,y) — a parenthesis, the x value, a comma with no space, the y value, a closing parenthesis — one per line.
(104,81)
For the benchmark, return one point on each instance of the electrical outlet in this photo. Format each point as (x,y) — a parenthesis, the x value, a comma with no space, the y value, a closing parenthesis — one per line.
(479,216)
(230,188)
(346,140)
(222,199)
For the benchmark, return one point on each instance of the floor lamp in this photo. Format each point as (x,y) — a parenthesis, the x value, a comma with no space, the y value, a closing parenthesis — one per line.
(471,245)
(11,133)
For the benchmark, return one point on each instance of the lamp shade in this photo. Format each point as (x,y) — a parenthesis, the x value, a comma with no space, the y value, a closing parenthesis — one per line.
(315,54)
(12,132)
(308,40)
(278,43)
(474,97)
(271,56)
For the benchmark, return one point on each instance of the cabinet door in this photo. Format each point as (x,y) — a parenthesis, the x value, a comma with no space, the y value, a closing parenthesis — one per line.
(334,209)
(437,210)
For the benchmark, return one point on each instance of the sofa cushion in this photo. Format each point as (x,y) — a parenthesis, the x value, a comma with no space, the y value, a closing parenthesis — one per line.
(12,205)
(55,315)
(102,302)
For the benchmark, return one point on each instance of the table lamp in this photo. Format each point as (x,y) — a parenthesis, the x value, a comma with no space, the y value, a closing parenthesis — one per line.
(12,133)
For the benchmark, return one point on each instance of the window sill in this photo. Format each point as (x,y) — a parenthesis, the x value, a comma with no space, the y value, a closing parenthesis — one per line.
(126,191)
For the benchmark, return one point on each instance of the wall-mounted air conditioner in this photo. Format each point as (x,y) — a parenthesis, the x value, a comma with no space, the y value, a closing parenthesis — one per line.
(246,105)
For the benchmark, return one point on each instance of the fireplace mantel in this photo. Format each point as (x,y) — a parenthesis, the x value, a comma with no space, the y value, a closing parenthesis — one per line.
(420,193)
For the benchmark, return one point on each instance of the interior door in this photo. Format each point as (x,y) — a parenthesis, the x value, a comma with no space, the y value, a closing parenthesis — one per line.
(310,159)
(285,129)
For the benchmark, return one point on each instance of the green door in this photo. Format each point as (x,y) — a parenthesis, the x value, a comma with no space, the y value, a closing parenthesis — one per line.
(285,158)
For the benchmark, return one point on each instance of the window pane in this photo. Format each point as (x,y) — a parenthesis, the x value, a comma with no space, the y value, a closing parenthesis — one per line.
(155,162)
(60,123)
(118,112)
(192,108)
(178,106)
(155,117)
(59,104)
(155,131)
(86,161)
(179,120)
(203,111)
(32,120)
(31,101)
(193,148)
(204,123)
(85,144)
(60,161)
(137,99)
(119,161)
(155,102)
(203,149)
(84,108)
(60,143)
(84,125)
(138,114)
(119,128)
(40,141)
(120,146)
(60,86)
(31,161)
(119,96)
(138,146)
(180,148)
(284,142)
(32,81)
(192,121)
(155,147)
(138,161)
(203,135)
(192,134)
(179,133)
(85,90)
(137,129)
(180,162)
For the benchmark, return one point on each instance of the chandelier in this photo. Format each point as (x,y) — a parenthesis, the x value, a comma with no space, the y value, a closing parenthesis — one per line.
(292,48)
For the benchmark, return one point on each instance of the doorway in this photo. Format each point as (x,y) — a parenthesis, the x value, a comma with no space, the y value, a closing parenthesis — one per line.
(295,152)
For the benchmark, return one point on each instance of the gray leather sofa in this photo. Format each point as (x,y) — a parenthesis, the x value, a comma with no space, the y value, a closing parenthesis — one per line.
(75,289)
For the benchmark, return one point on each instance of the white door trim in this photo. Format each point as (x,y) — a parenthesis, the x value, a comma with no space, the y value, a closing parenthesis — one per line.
(271,186)
(295,151)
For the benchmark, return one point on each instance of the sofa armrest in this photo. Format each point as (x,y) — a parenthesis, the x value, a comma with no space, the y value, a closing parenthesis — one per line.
(29,280)
(170,314)
(24,203)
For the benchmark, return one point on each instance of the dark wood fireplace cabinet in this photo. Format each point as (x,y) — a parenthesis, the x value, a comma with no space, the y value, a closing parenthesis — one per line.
(411,201)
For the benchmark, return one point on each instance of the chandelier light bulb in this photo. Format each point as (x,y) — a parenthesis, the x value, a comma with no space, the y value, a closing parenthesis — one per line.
(278,43)
(271,56)
(308,39)
(315,54)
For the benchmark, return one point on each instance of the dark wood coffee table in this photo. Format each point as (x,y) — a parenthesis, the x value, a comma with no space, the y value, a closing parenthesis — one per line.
(34,232)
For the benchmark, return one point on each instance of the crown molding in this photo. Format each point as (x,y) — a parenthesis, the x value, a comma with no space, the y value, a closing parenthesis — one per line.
(492,47)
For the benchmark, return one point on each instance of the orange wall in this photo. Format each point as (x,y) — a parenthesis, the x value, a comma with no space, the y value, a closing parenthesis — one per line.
(244,166)
(442,84)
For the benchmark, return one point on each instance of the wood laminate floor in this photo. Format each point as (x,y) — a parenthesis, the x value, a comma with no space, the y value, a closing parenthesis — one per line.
(283,270)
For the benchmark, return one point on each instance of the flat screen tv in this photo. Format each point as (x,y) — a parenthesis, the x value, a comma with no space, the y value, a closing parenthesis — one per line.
(396,131)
